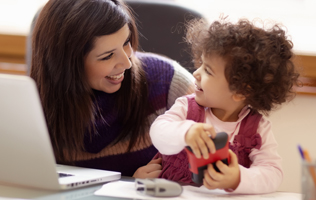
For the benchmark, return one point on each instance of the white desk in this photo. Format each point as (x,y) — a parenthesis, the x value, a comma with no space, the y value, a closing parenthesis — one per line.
(87,193)
(14,193)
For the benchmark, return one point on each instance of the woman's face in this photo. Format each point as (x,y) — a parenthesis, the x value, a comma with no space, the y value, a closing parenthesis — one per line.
(106,63)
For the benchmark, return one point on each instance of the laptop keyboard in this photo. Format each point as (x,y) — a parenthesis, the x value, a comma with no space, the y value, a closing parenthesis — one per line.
(64,175)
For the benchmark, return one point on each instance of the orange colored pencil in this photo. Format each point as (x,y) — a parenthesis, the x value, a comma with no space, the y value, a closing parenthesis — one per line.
(311,168)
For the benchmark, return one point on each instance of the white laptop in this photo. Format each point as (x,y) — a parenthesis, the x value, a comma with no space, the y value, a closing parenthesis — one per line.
(26,154)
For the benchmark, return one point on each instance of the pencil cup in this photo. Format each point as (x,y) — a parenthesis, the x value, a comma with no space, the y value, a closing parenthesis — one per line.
(308,181)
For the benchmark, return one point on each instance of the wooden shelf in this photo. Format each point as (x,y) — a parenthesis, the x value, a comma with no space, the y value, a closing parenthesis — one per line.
(307,65)
(13,52)
(12,48)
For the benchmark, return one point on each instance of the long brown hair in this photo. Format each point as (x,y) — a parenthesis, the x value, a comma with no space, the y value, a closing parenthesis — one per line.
(64,34)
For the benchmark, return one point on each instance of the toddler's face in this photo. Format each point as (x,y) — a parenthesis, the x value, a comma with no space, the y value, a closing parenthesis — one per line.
(212,89)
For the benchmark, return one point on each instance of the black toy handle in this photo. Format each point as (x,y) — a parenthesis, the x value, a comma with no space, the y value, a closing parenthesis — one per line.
(219,141)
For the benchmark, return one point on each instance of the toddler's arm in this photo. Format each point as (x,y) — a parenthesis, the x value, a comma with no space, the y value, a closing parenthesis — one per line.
(168,130)
(171,132)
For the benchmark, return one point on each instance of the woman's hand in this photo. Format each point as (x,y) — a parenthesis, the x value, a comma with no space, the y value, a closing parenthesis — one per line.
(198,138)
(228,178)
(151,170)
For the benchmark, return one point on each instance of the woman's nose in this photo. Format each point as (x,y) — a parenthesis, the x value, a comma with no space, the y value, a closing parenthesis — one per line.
(126,55)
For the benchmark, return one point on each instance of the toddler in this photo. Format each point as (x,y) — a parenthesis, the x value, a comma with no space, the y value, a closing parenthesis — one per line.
(243,73)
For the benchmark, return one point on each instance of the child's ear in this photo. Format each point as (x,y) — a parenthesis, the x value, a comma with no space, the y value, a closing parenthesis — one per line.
(238,97)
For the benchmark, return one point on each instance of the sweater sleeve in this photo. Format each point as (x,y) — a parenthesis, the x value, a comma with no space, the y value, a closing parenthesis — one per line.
(265,173)
(168,130)
(182,84)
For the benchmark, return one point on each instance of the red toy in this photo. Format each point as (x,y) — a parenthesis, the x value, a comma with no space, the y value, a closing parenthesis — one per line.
(198,165)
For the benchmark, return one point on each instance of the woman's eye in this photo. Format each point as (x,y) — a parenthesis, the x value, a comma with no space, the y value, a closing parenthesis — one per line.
(107,57)
(126,43)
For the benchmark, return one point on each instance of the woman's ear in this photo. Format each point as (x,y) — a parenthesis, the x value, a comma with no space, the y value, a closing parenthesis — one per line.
(238,97)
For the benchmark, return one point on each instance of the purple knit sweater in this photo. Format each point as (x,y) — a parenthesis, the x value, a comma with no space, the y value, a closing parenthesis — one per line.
(167,81)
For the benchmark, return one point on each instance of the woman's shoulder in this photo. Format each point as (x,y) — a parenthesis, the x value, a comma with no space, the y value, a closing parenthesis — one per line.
(159,65)
(148,56)
(152,61)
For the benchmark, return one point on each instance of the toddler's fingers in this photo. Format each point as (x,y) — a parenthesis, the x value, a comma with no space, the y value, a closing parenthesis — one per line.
(233,162)
(233,158)
(196,150)
(210,129)
(208,181)
(203,148)
(223,168)
(209,142)
(216,176)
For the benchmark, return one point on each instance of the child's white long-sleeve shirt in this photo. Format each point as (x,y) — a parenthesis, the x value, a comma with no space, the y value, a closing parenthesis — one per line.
(265,173)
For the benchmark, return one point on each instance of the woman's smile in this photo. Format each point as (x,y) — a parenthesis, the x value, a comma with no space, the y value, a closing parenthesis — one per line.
(115,79)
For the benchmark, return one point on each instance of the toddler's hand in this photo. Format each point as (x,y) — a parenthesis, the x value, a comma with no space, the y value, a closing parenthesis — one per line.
(151,170)
(228,178)
(198,139)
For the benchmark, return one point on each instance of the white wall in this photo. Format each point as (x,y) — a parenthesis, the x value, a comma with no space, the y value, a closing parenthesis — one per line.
(298,16)
(293,124)
(16,15)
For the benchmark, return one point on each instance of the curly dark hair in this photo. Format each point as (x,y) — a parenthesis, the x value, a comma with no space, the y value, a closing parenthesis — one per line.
(259,62)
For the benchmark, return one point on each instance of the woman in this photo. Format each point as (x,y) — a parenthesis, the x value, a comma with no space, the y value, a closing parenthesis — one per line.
(98,94)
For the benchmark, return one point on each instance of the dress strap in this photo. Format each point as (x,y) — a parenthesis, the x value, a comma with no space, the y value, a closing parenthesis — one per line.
(247,138)
(195,111)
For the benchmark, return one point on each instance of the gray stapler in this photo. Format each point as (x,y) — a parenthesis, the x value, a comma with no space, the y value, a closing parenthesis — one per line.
(158,187)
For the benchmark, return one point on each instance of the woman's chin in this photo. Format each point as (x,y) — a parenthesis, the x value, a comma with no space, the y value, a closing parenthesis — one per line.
(110,88)
(113,89)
